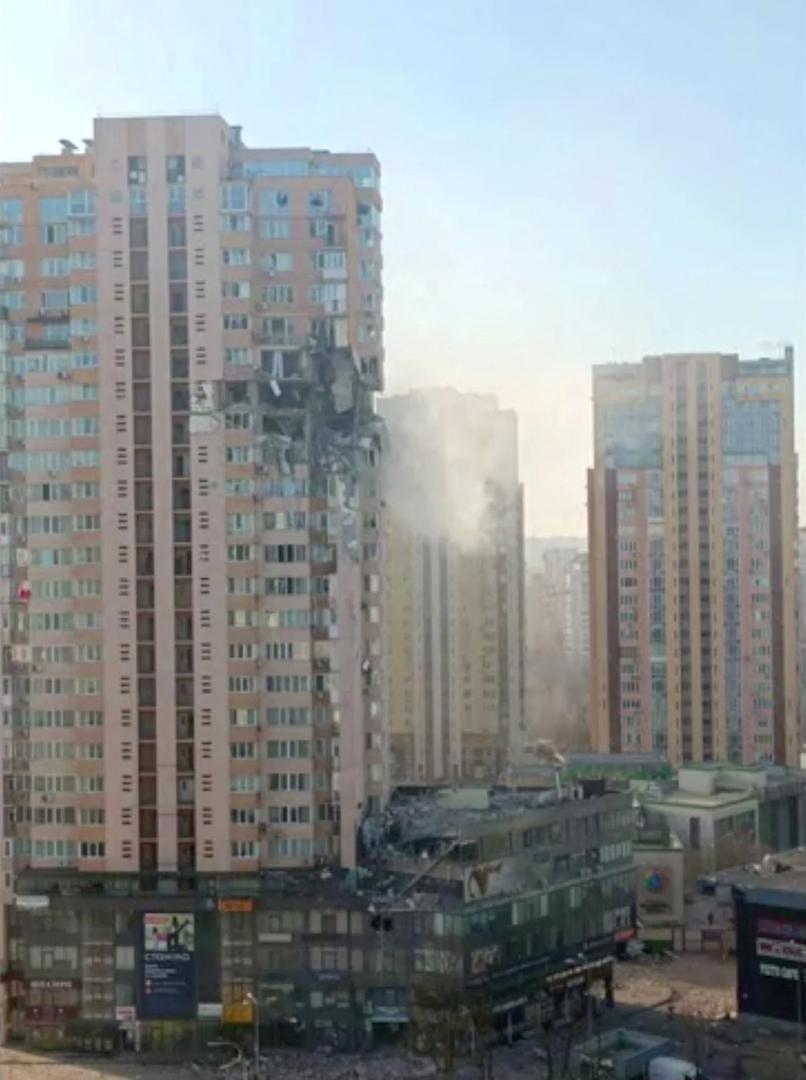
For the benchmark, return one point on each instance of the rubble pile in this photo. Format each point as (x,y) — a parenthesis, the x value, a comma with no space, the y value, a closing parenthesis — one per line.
(301,1065)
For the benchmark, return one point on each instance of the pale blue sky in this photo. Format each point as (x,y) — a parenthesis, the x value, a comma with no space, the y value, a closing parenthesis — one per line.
(566,181)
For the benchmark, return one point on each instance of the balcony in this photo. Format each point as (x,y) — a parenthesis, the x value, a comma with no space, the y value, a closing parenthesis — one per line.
(268,337)
(282,365)
(371,372)
(50,315)
(46,343)
(186,826)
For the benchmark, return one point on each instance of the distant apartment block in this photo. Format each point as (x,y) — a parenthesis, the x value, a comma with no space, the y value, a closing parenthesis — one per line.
(453,572)
(557,601)
(692,538)
(576,623)
(802,622)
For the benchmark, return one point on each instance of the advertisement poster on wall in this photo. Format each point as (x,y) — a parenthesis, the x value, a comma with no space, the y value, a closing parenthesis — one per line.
(169,975)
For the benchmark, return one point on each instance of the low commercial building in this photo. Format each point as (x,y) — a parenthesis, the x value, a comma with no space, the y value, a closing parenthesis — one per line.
(725,815)
(771,942)
(542,759)
(514,897)
(659,886)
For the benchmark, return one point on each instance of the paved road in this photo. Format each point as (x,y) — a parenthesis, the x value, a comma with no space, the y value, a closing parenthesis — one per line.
(22,1066)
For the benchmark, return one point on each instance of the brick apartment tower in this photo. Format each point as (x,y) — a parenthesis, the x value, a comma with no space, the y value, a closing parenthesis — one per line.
(692,508)
(192,669)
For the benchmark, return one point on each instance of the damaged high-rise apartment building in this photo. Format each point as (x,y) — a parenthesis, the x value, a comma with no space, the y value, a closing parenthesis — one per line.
(454,581)
(189,514)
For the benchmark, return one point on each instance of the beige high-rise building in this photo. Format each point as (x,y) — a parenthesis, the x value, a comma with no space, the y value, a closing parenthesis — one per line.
(692,538)
(576,627)
(454,585)
(191,335)
(802,623)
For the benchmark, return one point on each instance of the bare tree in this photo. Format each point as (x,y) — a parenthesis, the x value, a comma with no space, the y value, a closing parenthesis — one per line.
(730,850)
(483,1032)
(451,1024)
(438,1023)
(554,1038)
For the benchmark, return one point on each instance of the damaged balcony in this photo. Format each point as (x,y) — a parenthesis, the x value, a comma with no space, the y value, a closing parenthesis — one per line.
(277,331)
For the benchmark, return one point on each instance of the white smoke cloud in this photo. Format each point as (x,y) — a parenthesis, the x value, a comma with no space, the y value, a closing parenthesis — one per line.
(448,454)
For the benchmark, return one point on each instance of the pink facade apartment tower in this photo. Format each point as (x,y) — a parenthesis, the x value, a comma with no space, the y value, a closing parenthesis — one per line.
(692,506)
(191,339)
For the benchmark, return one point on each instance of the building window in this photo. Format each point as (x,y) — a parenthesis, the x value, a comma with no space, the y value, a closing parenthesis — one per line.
(274,229)
(234,197)
(53,234)
(236,290)
(320,202)
(244,849)
(175,168)
(278,262)
(138,202)
(137,170)
(11,211)
(273,201)
(92,849)
(236,256)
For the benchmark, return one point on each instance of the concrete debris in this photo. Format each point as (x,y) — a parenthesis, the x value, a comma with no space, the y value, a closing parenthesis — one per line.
(301,1065)
(275,1065)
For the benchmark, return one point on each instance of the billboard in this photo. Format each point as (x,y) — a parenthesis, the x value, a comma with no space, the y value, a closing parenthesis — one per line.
(235,905)
(781,950)
(169,975)
(778,928)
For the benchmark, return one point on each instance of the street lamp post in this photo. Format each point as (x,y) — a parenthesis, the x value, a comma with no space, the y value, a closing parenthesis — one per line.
(255,1032)
(799,992)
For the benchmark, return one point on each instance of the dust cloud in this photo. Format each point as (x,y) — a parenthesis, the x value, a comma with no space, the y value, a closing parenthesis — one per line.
(451,458)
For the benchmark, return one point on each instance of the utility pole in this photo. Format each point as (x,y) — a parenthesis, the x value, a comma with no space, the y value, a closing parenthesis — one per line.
(799,993)
(255,1032)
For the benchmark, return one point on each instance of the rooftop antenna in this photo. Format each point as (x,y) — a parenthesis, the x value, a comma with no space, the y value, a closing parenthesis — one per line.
(770,347)
(67,146)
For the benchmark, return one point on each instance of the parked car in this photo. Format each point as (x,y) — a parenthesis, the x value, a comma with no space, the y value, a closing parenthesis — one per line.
(706,884)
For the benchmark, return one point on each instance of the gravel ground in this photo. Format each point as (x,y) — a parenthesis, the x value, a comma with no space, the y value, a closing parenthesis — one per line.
(16,1065)
(702,990)
(19,1065)
(702,984)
